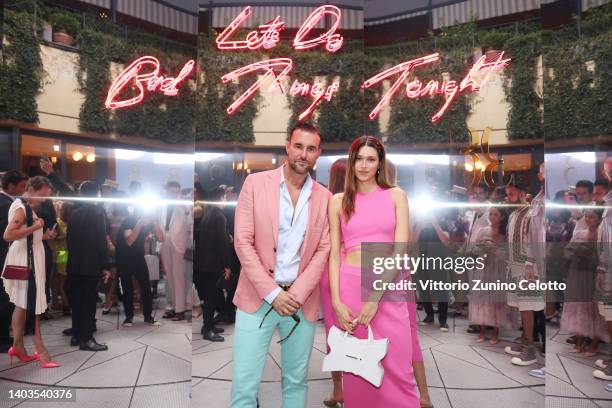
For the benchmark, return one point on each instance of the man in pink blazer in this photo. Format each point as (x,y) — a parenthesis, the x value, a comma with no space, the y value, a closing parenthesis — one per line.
(282,240)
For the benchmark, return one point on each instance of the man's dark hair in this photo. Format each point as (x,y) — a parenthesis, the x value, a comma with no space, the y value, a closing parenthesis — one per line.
(173,184)
(306,127)
(89,188)
(585,184)
(601,182)
(13,177)
(482,186)
(216,193)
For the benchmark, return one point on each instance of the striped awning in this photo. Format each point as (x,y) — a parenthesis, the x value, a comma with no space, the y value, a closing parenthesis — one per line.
(373,22)
(99,3)
(587,4)
(161,14)
(464,11)
(293,16)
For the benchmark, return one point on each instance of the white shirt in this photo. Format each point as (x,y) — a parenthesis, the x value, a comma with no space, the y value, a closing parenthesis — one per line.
(292,225)
(477,223)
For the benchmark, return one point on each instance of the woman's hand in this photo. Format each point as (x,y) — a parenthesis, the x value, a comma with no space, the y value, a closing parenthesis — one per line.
(345,317)
(368,311)
(38,224)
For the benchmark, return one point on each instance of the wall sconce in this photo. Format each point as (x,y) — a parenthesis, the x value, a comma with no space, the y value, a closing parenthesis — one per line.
(76,156)
(91,158)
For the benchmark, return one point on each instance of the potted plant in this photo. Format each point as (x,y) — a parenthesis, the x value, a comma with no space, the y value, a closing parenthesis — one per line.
(492,42)
(65,27)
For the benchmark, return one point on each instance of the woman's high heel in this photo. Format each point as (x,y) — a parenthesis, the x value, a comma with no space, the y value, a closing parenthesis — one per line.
(331,402)
(24,358)
(50,364)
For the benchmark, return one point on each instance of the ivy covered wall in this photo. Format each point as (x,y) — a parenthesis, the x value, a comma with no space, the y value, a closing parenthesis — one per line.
(21,67)
(574,62)
(578,78)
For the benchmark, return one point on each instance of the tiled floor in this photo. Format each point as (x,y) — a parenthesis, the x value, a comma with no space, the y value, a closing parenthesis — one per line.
(460,372)
(144,366)
(151,367)
(570,382)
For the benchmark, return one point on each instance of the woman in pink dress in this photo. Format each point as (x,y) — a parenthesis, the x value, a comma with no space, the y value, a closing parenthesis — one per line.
(371,210)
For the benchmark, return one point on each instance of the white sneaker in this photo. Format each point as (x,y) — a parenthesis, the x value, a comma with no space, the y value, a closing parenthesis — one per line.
(127,323)
(601,363)
(514,350)
(541,373)
(527,357)
(602,374)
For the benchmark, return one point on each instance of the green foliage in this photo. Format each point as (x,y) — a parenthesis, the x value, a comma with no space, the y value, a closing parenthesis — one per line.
(169,119)
(410,120)
(21,68)
(494,39)
(525,115)
(578,78)
(63,20)
(213,97)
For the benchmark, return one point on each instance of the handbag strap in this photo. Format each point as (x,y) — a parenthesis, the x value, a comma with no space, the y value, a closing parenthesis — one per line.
(30,238)
(370,334)
(31,291)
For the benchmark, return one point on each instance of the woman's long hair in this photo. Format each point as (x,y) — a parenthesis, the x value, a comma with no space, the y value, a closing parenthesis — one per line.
(503,223)
(337,174)
(350,181)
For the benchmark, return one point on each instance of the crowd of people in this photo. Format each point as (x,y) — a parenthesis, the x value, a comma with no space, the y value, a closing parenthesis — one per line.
(578,235)
(291,245)
(68,248)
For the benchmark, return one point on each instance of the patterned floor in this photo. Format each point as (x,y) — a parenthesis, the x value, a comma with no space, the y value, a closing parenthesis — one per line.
(460,372)
(144,367)
(570,382)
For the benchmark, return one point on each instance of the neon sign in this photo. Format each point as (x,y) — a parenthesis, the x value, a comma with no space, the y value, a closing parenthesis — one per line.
(450,89)
(152,80)
(267,36)
(268,67)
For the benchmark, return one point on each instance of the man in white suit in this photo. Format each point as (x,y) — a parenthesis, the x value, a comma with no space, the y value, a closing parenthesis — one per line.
(175,219)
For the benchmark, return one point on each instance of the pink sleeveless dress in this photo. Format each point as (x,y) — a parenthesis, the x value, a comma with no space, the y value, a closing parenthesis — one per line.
(374,221)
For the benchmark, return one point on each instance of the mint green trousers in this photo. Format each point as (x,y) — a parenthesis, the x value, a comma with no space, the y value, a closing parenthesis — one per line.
(251,345)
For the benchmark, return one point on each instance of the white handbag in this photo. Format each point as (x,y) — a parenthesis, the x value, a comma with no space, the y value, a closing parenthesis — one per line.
(358,356)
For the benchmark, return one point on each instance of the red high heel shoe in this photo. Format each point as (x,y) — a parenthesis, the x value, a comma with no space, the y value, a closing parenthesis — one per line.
(24,358)
(50,364)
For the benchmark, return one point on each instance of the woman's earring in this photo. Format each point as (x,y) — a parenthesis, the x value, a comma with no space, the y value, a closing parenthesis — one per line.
(377,172)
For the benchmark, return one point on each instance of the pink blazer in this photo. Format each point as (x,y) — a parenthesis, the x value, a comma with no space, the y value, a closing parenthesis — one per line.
(256,237)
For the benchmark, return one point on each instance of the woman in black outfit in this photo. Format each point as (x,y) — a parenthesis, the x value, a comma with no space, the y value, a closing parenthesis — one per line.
(130,260)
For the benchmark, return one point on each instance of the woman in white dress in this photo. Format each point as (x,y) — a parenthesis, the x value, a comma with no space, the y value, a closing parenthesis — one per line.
(16,233)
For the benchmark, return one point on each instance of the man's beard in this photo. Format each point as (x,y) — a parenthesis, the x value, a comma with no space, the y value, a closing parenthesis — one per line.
(298,169)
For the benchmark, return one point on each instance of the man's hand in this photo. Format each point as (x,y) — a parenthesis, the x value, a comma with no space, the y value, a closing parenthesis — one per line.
(49,234)
(226,273)
(529,272)
(106,276)
(46,166)
(285,304)
(599,280)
